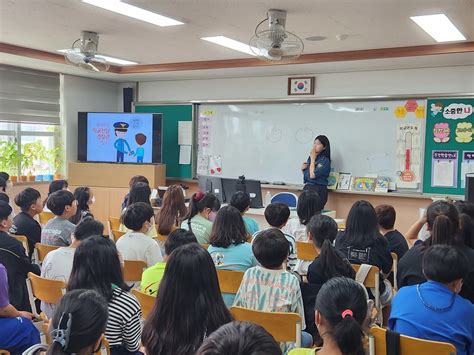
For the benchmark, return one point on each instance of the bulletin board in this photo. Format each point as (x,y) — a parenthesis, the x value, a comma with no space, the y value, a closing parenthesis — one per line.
(449,145)
(172,115)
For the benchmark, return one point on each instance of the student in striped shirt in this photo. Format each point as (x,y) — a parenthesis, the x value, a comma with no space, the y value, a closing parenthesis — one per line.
(269,287)
(97,266)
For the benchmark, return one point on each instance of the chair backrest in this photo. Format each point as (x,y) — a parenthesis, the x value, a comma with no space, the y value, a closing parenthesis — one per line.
(146,302)
(114,222)
(23,240)
(43,249)
(160,238)
(229,281)
(306,251)
(205,246)
(133,270)
(117,234)
(45,216)
(371,281)
(49,291)
(288,198)
(409,345)
(284,327)
(395,269)
(104,348)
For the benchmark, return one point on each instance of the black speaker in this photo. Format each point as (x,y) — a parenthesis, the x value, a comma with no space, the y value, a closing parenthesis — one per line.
(469,191)
(127,99)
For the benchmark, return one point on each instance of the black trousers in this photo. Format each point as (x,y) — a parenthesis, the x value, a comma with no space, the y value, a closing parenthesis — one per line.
(321,190)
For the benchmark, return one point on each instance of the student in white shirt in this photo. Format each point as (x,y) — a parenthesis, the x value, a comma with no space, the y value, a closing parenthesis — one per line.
(57,265)
(135,244)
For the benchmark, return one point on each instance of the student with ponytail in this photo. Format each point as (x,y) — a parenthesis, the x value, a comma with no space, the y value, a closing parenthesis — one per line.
(172,210)
(202,211)
(78,325)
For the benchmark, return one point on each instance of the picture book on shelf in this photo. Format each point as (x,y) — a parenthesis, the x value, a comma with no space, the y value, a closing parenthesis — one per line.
(344,181)
(333,179)
(362,183)
(382,183)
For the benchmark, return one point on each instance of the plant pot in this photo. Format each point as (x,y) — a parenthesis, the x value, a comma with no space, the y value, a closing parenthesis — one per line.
(13,178)
(48,177)
(57,176)
(31,178)
(39,177)
(23,178)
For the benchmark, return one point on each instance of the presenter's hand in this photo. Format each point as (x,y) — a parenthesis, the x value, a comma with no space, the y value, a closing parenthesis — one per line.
(313,155)
(304,166)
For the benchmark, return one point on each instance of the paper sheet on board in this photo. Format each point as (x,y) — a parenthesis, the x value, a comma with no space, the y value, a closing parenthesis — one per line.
(184,154)
(185,133)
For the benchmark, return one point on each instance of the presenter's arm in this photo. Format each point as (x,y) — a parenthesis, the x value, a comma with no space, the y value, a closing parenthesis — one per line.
(323,168)
(312,168)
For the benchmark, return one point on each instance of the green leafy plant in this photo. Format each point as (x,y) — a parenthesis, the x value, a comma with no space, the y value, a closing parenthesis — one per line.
(33,154)
(55,158)
(10,157)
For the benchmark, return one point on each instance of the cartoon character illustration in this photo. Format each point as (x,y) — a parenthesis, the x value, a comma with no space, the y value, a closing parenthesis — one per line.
(436,108)
(464,132)
(140,138)
(441,132)
(120,143)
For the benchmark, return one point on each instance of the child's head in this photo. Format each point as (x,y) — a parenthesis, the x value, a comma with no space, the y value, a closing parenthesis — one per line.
(386,216)
(241,201)
(79,322)
(443,222)
(84,197)
(341,310)
(57,185)
(240,338)
(271,248)
(445,264)
(29,200)
(466,222)
(62,203)
(5,216)
(361,226)
(5,176)
(173,209)
(140,138)
(321,228)
(228,228)
(177,238)
(207,204)
(308,206)
(140,192)
(137,217)
(4,197)
(137,178)
(277,214)
(88,227)
(3,184)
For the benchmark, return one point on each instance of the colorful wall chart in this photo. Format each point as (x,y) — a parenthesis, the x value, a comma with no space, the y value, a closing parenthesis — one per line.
(449,145)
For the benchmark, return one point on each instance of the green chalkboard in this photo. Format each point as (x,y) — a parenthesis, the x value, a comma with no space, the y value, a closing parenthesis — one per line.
(172,114)
(449,145)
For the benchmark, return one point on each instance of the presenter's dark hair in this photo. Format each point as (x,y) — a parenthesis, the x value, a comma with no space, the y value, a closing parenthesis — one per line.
(444,263)
(308,206)
(327,146)
(228,228)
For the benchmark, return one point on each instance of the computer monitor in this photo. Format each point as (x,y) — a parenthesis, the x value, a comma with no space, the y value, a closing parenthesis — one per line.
(252,187)
(211,184)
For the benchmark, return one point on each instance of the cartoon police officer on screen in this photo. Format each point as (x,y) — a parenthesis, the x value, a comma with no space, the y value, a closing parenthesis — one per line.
(120,143)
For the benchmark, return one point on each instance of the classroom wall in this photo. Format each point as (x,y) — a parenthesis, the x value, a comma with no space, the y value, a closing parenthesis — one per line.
(83,94)
(359,83)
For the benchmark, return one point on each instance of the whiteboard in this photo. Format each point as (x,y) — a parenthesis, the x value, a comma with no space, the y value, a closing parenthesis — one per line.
(269,142)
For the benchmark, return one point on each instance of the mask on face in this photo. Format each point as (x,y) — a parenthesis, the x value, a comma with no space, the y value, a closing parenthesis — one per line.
(212,216)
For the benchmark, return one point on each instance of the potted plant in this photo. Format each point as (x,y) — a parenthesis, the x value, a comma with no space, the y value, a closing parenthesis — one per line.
(10,159)
(55,160)
(33,154)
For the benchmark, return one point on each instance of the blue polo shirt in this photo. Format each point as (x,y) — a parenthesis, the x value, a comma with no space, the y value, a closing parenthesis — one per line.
(322,168)
(410,315)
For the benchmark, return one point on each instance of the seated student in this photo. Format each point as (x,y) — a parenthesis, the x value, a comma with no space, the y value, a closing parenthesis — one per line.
(276,215)
(434,310)
(58,230)
(386,219)
(466,225)
(5,186)
(84,198)
(189,305)
(228,244)
(17,332)
(96,266)
(307,207)
(133,181)
(240,338)
(202,211)
(78,325)
(172,211)
(24,223)
(341,311)
(140,192)
(4,197)
(269,287)
(55,185)
(13,257)
(135,244)
(241,201)
(152,276)
(361,243)
(57,265)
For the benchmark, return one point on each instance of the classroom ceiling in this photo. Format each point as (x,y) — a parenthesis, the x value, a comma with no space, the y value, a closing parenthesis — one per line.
(50,25)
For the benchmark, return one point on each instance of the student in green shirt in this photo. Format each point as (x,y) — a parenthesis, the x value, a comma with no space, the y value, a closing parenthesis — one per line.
(152,276)
(202,211)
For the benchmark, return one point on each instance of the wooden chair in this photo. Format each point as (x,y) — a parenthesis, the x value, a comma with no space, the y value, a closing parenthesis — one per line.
(49,291)
(160,238)
(408,345)
(113,223)
(133,270)
(104,348)
(284,327)
(394,270)
(229,281)
(146,302)
(372,281)
(306,251)
(43,249)
(23,240)
(205,246)
(117,234)
(44,217)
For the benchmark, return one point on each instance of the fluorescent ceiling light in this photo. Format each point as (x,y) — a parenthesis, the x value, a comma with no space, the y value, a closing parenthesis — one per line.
(231,43)
(134,11)
(439,27)
(108,59)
